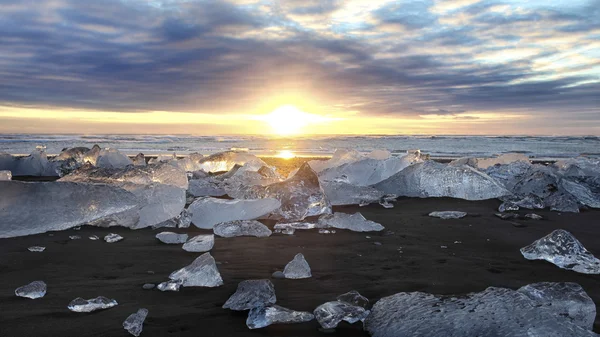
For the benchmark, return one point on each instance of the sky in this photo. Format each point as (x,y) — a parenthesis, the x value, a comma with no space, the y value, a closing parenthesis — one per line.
(351,67)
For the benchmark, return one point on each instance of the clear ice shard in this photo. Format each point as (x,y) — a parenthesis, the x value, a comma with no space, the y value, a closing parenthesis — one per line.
(206,187)
(339,158)
(112,237)
(112,158)
(448,214)
(139,160)
(565,251)
(300,196)
(81,305)
(341,193)
(33,290)
(5,175)
(202,272)
(533,216)
(200,243)
(251,294)
(295,225)
(355,222)
(225,161)
(190,163)
(171,238)
(298,268)
(330,314)
(242,228)
(207,212)
(355,298)
(36,249)
(432,179)
(264,316)
(172,285)
(135,322)
(492,312)
(32,208)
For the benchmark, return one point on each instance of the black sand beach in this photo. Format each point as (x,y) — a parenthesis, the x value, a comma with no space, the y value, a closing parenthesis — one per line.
(487,255)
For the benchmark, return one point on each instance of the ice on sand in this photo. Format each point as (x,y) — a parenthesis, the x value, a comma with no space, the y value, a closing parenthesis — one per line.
(264,316)
(242,228)
(355,222)
(251,294)
(330,314)
(207,212)
(200,243)
(298,268)
(5,175)
(33,290)
(225,161)
(535,311)
(135,322)
(99,303)
(32,208)
(37,249)
(343,193)
(172,285)
(355,298)
(36,164)
(202,272)
(448,214)
(112,158)
(171,238)
(112,237)
(565,251)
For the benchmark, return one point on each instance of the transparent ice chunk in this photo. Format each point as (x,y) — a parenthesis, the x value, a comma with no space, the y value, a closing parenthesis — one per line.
(33,290)
(36,249)
(355,222)
(330,314)
(298,268)
(264,316)
(203,272)
(112,237)
(171,238)
(448,214)
(112,158)
(172,285)
(251,294)
(355,298)
(99,303)
(242,228)
(207,212)
(200,243)
(135,322)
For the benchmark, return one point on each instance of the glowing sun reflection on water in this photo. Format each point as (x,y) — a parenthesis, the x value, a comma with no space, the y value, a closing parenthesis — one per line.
(286,154)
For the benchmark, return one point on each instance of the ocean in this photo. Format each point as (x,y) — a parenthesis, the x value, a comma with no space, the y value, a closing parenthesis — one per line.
(547,147)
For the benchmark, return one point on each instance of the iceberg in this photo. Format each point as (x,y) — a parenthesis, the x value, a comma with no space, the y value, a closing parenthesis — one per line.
(135,322)
(242,228)
(33,208)
(448,214)
(355,298)
(207,212)
(492,312)
(432,179)
(200,243)
(33,290)
(330,314)
(5,175)
(112,237)
(112,158)
(264,316)
(251,294)
(171,238)
(565,251)
(355,222)
(202,272)
(298,268)
(99,303)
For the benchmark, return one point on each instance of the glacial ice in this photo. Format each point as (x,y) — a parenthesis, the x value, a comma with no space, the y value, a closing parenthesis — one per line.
(32,208)
(139,160)
(112,237)
(341,193)
(355,298)
(339,158)
(206,187)
(207,212)
(264,316)
(202,272)
(190,163)
(295,225)
(33,290)
(172,285)
(533,216)
(112,158)
(565,251)
(298,268)
(99,303)
(251,294)
(74,237)
(432,179)
(135,322)
(586,190)
(171,238)
(5,175)
(504,159)
(225,161)
(355,222)
(448,214)
(285,231)
(242,228)
(537,311)
(36,164)
(163,158)
(148,286)
(200,243)
(330,314)
(37,249)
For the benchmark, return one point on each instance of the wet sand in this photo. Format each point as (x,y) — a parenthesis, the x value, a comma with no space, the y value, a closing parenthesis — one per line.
(488,255)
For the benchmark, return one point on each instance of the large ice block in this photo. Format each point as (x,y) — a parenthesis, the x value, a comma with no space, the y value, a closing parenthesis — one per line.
(242,228)
(264,316)
(32,208)
(355,222)
(36,164)
(112,158)
(251,294)
(565,251)
(203,272)
(432,179)
(207,212)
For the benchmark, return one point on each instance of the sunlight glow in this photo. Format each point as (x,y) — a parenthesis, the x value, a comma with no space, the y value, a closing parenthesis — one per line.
(289,120)
(286,154)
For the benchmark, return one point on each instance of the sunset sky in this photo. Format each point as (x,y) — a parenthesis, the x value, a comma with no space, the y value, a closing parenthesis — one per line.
(340,67)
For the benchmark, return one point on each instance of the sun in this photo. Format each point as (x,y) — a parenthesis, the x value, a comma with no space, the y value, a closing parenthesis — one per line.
(289,120)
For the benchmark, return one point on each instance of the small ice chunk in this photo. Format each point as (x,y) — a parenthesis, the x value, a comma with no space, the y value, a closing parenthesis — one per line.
(148,286)
(112,237)
(330,314)
(565,251)
(355,298)
(278,274)
(112,158)
(504,159)
(508,206)
(285,231)
(5,175)
(172,285)
(35,289)
(355,222)
(94,237)
(207,212)
(533,216)
(36,249)
(508,216)
(251,294)
(326,231)
(202,272)
(298,268)
(171,238)
(139,160)
(99,303)
(225,161)
(134,323)
(295,225)
(200,243)
(242,228)
(264,316)
(448,214)
(74,237)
